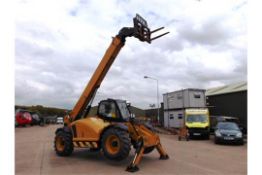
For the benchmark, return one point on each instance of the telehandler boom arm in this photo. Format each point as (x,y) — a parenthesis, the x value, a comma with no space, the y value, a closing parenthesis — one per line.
(140,31)
(97,78)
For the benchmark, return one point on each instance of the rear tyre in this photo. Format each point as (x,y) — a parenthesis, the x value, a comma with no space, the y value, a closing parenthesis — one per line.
(116,144)
(63,143)
(241,142)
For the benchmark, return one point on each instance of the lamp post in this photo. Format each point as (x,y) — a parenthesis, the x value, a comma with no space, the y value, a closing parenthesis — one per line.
(157,95)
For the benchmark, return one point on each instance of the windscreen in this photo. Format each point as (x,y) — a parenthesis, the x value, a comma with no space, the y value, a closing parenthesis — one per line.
(227,126)
(124,110)
(196,118)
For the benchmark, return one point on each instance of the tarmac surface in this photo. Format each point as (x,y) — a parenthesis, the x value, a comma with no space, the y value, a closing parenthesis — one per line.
(35,155)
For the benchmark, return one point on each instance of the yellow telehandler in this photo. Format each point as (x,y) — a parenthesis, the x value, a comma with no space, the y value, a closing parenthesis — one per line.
(112,130)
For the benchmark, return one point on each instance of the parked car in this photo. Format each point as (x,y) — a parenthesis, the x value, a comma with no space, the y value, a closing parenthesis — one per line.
(35,119)
(23,118)
(214,119)
(228,132)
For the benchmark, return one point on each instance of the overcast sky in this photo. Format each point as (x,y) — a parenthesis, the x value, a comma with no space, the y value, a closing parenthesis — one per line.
(58,45)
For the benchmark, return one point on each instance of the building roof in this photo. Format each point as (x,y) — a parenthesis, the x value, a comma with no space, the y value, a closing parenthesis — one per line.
(188,89)
(236,87)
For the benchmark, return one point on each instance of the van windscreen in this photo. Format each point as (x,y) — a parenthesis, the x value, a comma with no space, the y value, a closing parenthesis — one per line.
(196,118)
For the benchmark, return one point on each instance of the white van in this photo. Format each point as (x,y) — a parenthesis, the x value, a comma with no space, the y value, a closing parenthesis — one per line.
(59,120)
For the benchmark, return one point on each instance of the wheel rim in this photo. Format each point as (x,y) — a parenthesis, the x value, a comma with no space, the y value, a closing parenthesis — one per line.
(112,144)
(60,144)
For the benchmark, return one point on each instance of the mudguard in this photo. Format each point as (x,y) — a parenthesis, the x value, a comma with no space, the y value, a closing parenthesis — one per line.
(120,126)
(65,129)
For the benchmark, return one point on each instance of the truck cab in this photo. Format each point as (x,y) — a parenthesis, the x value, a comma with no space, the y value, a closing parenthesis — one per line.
(197,121)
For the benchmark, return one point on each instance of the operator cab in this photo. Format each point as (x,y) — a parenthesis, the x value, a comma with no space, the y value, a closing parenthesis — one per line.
(113,110)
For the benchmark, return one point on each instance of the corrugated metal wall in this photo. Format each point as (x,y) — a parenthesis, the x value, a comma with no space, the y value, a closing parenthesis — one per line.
(231,104)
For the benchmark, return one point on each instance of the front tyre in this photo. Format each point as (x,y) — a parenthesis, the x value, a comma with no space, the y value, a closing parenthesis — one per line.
(63,143)
(116,144)
(207,136)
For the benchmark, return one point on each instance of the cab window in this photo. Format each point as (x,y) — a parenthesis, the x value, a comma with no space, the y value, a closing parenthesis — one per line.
(108,109)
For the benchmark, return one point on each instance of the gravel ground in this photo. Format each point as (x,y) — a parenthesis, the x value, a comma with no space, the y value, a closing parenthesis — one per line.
(34,155)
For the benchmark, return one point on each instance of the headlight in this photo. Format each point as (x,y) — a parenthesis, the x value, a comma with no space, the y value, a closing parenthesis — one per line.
(218,134)
(239,134)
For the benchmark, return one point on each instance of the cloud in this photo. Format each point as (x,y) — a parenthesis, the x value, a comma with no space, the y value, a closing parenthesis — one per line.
(58,45)
(211,32)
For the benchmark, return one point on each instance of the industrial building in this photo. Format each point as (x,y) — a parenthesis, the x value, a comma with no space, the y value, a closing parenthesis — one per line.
(176,102)
(229,100)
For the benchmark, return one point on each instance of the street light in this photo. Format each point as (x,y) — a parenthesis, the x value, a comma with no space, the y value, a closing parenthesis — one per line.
(157,95)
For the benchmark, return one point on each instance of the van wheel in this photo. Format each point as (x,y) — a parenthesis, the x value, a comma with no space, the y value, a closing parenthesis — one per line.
(187,138)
